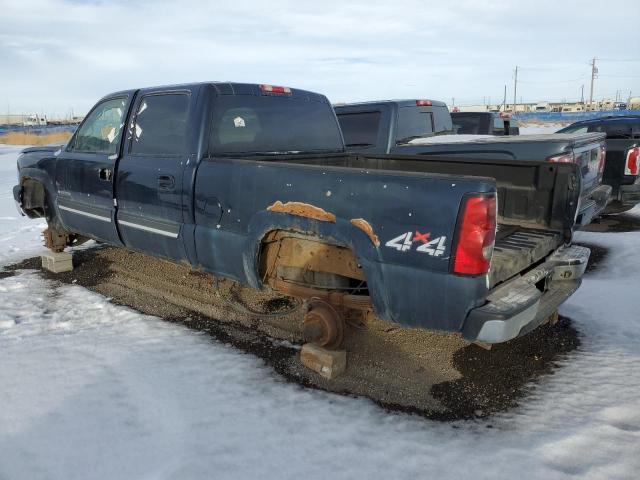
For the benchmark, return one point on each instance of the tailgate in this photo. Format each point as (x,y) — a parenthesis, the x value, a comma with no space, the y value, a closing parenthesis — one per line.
(517,249)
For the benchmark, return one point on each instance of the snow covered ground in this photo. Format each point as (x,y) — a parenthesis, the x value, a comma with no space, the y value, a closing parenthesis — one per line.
(90,390)
(539,128)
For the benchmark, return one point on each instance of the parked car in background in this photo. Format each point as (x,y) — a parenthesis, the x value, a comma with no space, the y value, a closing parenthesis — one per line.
(253,183)
(484,123)
(622,162)
(422,127)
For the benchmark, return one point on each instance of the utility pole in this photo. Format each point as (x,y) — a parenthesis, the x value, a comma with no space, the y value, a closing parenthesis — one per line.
(504,100)
(453,101)
(594,72)
(515,89)
(582,95)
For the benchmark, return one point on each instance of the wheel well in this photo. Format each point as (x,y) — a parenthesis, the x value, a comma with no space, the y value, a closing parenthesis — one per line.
(34,198)
(310,262)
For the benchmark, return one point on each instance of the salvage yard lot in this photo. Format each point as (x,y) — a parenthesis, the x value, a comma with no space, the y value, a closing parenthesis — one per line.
(90,389)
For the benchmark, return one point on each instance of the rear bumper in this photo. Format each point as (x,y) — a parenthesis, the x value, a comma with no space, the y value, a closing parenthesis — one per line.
(520,305)
(594,205)
(630,194)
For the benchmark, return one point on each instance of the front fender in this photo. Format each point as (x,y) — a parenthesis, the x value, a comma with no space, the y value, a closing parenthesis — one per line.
(48,183)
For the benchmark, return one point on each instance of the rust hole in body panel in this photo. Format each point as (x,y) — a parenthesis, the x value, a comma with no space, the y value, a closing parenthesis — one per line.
(301,209)
(366,227)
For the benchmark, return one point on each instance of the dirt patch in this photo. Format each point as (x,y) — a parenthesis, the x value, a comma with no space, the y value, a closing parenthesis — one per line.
(620,223)
(436,375)
(488,376)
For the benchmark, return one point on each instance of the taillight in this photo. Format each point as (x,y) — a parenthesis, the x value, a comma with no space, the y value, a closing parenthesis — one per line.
(476,235)
(603,154)
(631,165)
(274,89)
(424,103)
(564,158)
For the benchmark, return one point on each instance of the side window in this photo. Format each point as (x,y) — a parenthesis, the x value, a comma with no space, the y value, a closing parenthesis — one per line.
(161,125)
(100,132)
(413,123)
(442,121)
(613,130)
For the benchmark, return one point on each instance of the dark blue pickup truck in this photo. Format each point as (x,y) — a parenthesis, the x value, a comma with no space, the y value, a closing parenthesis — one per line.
(252,182)
(622,163)
(423,127)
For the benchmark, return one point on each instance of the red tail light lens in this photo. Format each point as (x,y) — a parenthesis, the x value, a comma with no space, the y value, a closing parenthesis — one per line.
(424,103)
(631,165)
(274,89)
(476,235)
(566,158)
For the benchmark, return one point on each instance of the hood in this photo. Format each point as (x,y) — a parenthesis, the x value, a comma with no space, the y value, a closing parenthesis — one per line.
(44,148)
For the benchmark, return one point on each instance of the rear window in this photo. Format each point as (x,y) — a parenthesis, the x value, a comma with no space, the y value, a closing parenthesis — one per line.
(413,122)
(269,124)
(467,124)
(360,129)
(614,130)
(574,129)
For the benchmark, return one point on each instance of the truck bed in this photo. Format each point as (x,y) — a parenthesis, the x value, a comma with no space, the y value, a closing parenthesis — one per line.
(536,201)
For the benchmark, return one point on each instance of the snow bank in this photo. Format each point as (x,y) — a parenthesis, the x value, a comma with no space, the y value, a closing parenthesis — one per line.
(92,390)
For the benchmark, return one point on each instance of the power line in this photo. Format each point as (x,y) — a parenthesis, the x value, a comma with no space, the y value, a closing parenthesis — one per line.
(621,76)
(619,59)
(582,77)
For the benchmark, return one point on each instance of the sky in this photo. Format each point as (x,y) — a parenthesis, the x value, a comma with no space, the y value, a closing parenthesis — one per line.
(59,56)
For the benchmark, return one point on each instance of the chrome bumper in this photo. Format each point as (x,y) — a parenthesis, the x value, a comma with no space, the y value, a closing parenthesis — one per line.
(522,304)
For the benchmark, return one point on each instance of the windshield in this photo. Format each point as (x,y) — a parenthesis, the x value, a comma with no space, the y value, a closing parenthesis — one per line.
(273,124)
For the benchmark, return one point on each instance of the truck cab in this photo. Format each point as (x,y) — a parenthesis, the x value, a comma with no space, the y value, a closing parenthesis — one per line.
(484,123)
(368,126)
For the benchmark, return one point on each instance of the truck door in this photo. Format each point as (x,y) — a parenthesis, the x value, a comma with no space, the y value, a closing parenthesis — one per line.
(149,175)
(85,169)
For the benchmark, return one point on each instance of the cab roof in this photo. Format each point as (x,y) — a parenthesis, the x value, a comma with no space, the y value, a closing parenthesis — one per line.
(224,88)
(400,103)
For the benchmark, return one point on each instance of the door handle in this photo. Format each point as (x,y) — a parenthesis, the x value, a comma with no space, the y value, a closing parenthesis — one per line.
(105,174)
(166,182)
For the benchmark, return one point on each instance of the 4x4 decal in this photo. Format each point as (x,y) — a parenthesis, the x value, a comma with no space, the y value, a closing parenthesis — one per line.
(404,243)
